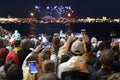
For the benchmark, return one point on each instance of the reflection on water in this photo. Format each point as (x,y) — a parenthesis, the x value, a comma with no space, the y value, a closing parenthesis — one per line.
(100,30)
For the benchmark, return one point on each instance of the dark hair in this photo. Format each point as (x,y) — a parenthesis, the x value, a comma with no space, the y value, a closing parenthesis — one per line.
(49,38)
(104,45)
(49,66)
(45,54)
(32,43)
(17,43)
(65,58)
(107,57)
(14,72)
(56,41)
(7,65)
(25,44)
(33,57)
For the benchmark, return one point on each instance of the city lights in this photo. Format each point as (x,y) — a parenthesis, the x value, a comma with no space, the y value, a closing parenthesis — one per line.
(49,19)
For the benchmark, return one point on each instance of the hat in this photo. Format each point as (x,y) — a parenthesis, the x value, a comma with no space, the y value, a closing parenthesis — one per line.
(78,47)
(56,34)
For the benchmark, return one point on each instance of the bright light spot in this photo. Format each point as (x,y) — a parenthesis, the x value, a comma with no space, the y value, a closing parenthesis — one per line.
(48,7)
(69,15)
(36,7)
(32,14)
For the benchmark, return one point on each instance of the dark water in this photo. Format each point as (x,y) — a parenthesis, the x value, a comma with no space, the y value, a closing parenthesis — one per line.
(99,30)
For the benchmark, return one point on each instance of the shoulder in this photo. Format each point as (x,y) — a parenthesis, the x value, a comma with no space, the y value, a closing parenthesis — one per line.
(11,53)
(95,75)
(63,65)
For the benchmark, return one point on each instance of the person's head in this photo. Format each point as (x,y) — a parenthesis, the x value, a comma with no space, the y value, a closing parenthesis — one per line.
(107,57)
(17,43)
(7,65)
(49,66)
(56,35)
(32,43)
(14,72)
(36,58)
(49,38)
(104,45)
(78,48)
(49,76)
(45,54)
(25,44)
(65,58)
(56,41)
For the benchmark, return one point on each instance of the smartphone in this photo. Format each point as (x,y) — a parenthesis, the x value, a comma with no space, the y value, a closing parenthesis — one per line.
(33,67)
(62,35)
(83,31)
(118,40)
(46,45)
(40,36)
(79,35)
(3,37)
(44,39)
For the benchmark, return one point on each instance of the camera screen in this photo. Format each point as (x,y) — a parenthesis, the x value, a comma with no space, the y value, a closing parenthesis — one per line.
(79,35)
(44,39)
(62,35)
(33,67)
(46,45)
(118,40)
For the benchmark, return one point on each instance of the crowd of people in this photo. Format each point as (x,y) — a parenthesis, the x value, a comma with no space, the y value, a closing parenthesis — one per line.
(68,57)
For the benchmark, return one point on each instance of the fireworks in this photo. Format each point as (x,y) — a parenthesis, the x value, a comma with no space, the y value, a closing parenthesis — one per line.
(55,8)
(37,8)
(55,11)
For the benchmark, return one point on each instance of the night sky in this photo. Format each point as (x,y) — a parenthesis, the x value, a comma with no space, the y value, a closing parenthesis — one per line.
(82,8)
